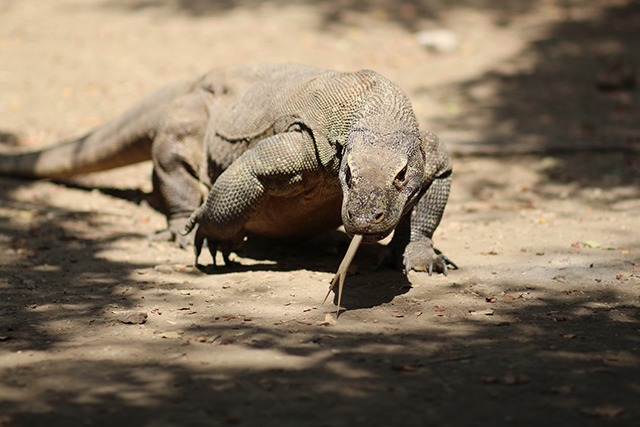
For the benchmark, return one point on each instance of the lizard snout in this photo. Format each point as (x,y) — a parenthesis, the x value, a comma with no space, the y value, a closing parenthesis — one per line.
(376,218)
(367,214)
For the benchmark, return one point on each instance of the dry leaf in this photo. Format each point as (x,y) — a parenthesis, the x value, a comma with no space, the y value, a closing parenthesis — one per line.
(205,339)
(328,320)
(404,368)
(563,389)
(514,379)
(170,335)
(487,312)
(603,411)
(592,244)
(492,252)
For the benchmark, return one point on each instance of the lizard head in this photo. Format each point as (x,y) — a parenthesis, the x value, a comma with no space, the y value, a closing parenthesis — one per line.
(381,178)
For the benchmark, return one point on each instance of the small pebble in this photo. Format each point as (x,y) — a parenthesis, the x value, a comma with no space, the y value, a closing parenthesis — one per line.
(439,40)
(133,318)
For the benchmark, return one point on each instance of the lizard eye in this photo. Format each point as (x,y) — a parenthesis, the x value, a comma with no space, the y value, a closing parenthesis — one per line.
(400,178)
(347,176)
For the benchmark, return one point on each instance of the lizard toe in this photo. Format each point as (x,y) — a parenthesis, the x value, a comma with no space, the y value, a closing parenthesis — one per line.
(160,236)
(170,235)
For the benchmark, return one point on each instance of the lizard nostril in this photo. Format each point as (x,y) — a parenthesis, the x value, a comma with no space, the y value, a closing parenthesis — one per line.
(379,217)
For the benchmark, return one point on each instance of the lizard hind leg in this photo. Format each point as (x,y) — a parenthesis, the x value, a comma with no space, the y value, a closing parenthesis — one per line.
(197,246)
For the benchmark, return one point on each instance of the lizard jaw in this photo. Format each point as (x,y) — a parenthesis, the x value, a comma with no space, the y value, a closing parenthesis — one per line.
(370,238)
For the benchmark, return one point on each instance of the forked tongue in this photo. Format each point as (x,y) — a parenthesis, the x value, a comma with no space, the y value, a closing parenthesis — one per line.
(344,267)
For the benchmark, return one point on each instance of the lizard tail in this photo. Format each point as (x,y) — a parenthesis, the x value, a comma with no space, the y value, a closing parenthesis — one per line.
(121,142)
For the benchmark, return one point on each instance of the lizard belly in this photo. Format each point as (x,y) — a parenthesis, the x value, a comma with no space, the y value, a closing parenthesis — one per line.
(297,216)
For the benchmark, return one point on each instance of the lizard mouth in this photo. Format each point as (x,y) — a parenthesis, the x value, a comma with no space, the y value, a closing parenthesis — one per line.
(371,238)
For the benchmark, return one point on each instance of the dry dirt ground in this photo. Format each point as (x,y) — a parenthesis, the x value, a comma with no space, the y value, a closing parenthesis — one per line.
(539,326)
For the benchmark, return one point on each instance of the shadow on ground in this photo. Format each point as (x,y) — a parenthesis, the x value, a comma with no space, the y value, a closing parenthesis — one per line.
(505,359)
(548,357)
(50,264)
(574,95)
(410,14)
(54,269)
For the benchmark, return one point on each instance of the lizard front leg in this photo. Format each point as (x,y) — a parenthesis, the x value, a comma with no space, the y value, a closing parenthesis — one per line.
(274,167)
(412,243)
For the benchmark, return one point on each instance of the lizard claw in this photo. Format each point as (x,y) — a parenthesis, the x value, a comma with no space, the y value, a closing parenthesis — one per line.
(173,233)
(169,236)
(446,261)
(443,261)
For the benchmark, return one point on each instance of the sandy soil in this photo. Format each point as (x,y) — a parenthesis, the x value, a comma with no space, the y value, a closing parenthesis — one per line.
(539,326)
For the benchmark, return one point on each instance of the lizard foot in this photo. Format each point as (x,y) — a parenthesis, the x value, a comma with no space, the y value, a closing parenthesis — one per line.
(173,233)
(422,256)
(224,246)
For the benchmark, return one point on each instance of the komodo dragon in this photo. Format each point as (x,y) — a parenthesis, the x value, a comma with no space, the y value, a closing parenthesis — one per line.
(279,150)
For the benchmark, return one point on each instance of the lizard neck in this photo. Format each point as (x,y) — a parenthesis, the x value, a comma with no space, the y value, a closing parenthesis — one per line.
(360,101)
